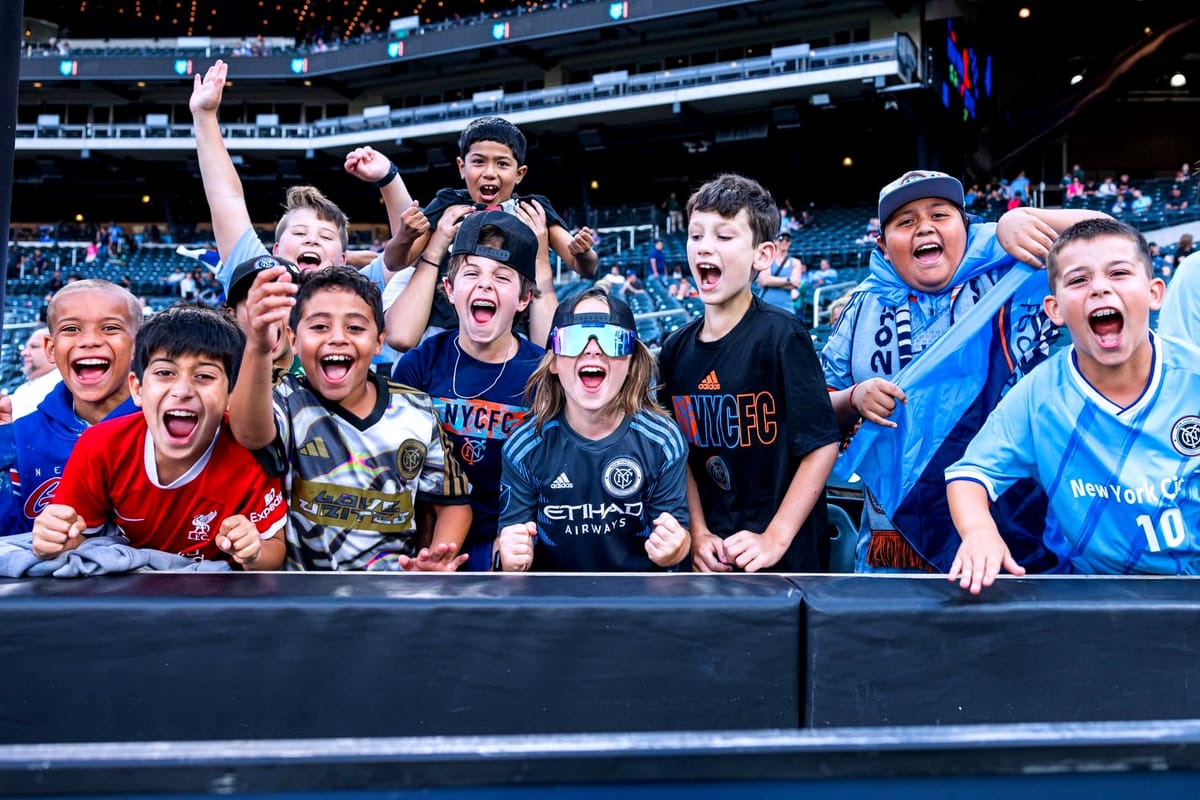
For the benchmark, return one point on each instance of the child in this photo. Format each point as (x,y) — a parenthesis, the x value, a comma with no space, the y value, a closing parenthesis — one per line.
(747,393)
(476,373)
(172,478)
(313,231)
(491,161)
(1108,428)
(92,325)
(358,451)
(282,357)
(932,264)
(596,481)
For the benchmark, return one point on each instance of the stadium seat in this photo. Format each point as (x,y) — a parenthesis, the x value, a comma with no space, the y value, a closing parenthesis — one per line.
(843,540)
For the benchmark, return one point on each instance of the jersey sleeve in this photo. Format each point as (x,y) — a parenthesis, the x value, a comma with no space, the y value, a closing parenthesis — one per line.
(1001,452)
(82,486)
(412,368)
(518,494)
(442,480)
(262,501)
(669,492)
(811,421)
(552,216)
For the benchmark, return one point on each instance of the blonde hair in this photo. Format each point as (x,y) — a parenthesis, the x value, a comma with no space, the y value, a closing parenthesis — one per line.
(310,197)
(546,399)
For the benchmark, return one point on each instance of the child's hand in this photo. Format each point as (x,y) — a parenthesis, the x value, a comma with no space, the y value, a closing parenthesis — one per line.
(532,214)
(238,537)
(438,558)
(979,560)
(754,551)
(669,541)
(207,91)
(875,399)
(269,304)
(57,529)
(1025,236)
(581,242)
(413,223)
(515,545)
(447,226)
(708,553)
(367,164)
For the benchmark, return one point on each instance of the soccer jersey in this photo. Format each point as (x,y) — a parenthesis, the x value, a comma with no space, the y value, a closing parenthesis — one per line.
(353,482)
(1124,483)
(595,502)
(479,405)
(111,489)
(751,406)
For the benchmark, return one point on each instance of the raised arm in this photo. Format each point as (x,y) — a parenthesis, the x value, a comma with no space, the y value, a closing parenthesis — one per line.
(251,410)
(1027,233)
(369,165)
(545,300)
(575,249)
(409,315)
(222,185)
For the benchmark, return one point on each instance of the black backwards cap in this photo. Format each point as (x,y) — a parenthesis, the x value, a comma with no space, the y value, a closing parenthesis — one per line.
(520,245)
(619,314)
(245,272)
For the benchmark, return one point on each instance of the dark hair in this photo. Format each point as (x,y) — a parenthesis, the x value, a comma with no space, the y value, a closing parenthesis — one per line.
(1090,229)
(345,279)
(189,329)
(492,129)
(728,194)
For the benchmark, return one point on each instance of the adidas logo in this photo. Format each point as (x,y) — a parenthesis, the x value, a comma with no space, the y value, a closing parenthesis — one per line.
(562,482)
(315,448)
(710,382)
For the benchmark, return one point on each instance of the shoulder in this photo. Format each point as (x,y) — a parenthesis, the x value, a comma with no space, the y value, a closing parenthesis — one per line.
(678,341)
(523,440)
(660,429)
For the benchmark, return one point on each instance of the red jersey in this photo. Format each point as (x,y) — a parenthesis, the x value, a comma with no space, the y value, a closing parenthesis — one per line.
(110,486)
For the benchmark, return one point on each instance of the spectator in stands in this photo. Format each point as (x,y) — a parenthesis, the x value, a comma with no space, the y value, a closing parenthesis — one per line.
(1019,186)
(490,280)
(41,375)
(595,440)
(491,163)
(1120,206)
(658,261)
(1107,188)
(1176,201)
(1184,173)
(837,307)
(92,324)
(759,502)
(824,274)
(614,281)
(1141,202)
(674,211)
(871,234)
(775,282)
(188,287)
(1184,247)
(633,284)
(1117,383)
(933,264)
(381,440)
(313,231)
(1075,189)
(1158,260)
(172,478)
(807,220)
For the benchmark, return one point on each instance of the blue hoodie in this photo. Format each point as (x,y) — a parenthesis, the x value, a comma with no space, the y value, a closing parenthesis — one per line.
(34,449)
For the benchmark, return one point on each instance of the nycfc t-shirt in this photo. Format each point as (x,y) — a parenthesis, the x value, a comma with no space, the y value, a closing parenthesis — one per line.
(479,405)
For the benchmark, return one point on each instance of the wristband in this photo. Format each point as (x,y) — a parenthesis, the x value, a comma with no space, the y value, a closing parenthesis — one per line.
(427,261)
(852,388)
(392,172)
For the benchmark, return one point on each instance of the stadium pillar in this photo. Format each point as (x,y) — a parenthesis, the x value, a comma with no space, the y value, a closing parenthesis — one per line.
(11,32)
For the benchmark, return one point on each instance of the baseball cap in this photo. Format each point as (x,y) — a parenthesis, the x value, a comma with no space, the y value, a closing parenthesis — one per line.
(615,330)
(520,245)
(245,272)
(916,184)
(784,234)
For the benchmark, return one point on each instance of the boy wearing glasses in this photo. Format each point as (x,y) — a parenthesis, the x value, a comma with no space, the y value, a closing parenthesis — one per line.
(748,393)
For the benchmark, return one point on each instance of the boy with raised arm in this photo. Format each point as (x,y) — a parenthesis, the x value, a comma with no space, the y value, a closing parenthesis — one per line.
(1108,428)
(172,478)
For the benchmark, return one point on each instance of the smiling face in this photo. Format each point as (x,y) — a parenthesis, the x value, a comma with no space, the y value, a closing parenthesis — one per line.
(723,256)
(490,172)
(1104,295)
(309,241)
(591,381)
(91,341)
(925,241)
(336,338)
(34,361)
(486,294)
(184,400)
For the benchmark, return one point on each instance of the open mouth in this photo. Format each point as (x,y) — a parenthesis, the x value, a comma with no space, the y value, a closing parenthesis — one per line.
(90,371)
(1107,324)
(591,377)
(928,253)
(710,276)
(180,424)
(309,259)
(482,311)
(488,193)
(335,368)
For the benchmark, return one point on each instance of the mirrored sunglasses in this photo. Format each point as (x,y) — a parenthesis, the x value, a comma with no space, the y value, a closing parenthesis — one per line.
(572,340)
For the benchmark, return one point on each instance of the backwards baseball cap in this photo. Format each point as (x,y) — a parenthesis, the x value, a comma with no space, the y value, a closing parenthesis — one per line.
(916,184)
(518,248)
(784,234)
(245,272)
(615,331)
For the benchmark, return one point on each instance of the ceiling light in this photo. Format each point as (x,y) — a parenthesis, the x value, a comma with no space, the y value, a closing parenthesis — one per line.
(1024,12)
(1076,78)
(1178,80)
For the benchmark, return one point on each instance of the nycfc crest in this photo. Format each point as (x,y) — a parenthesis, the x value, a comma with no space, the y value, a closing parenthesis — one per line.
(1185,436)
(718,472)
(622,477)
(410,457)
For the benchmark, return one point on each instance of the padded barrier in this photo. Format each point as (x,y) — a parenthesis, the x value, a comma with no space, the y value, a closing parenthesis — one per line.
(902,650)
(269,656)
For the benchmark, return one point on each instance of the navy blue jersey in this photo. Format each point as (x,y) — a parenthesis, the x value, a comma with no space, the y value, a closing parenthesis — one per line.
(595,501)
(751,406)
(476,426)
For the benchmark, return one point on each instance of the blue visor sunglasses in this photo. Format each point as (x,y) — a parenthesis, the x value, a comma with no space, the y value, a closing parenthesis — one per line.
(572,340)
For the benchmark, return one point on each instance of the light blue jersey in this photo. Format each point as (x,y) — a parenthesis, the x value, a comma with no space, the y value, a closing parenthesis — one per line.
(1124,483)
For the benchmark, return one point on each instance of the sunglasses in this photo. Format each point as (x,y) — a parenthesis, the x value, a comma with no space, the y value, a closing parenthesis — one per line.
(572,340)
